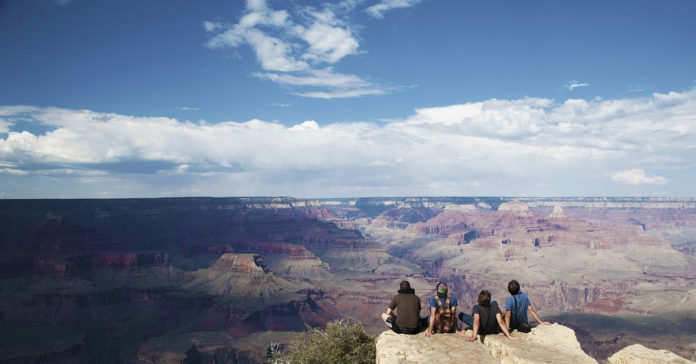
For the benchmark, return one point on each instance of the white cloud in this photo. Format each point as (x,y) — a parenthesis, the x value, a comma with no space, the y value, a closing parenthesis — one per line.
(317,78)
(510,147)
(18,172)
(571,85)
(637,177)
(383,6)
(189,108)
(4,126)
(636,90)
(333,84)
(296,50)
(341,94)
(328,38)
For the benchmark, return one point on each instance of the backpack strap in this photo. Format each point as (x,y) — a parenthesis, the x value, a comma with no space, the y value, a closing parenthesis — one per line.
(439,303)
(437,299)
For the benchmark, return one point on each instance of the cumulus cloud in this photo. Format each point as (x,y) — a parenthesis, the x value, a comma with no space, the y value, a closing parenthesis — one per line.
(509,147)
(571,85)
(383,6)
(637,177)
(295,50)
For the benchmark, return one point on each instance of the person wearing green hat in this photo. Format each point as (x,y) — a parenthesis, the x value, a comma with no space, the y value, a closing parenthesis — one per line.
(443,311)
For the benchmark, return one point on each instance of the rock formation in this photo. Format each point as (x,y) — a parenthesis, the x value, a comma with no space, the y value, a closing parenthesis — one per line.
(557,212)
(639,354)
(545,344)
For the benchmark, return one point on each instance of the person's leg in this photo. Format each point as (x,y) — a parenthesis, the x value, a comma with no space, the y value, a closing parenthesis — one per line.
(389,320)
(384,317)
(466,319)
(394,326)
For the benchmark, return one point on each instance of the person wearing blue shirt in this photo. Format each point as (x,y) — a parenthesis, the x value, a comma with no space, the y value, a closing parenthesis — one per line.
(517,306)
(442,316)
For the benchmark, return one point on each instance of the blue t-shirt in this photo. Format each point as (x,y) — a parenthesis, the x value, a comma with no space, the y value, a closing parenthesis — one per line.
(519,315)
(433,302)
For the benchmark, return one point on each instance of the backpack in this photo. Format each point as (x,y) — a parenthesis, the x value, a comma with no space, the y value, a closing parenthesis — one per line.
(445,321)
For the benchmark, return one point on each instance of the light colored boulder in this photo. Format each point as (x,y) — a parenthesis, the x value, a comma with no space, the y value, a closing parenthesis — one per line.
(395,348)
(545,344)
(639,354)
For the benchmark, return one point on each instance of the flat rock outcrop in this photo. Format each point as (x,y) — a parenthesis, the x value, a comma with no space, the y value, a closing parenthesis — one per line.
(395,348)
(639,354)
(545,344)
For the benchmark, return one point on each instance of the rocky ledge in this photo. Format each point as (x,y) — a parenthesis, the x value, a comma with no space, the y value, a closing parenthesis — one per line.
(545,344)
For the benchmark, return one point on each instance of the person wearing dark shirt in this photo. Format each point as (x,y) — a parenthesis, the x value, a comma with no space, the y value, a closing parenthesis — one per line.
(488,319)
(516,307)
(408,308)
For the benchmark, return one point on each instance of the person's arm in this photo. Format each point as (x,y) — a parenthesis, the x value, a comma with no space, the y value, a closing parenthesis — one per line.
(536,316)
(387,314)
(477,323)
(429,331)
(499,317)
(508,314)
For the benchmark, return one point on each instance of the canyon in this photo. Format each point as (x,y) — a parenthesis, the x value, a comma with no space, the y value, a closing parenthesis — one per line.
(150,280)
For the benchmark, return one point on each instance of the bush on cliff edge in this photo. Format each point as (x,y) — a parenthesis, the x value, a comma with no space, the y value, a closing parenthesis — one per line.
(341,342)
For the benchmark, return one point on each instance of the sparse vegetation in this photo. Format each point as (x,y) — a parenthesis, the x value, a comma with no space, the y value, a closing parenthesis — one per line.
(343,341)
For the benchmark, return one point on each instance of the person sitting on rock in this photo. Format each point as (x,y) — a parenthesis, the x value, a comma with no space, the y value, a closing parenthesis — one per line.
(516,308)
(488,319)
(443,312)
(408,306)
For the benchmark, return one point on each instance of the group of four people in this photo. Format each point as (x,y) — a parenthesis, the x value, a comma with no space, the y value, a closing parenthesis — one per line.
(485,319)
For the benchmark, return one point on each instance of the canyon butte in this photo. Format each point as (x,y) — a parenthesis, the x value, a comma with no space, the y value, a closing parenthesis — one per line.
(155,280)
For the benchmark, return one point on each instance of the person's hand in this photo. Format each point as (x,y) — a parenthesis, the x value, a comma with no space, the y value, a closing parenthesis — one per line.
(428,333)
(471,338)
(545,323)
(513,337)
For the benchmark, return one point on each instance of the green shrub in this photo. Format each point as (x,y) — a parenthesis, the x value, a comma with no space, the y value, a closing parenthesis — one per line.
(341,342)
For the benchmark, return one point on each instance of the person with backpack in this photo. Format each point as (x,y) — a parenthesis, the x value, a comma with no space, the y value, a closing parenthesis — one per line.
(516,308)
(408,305)
(488,319)
(443,312)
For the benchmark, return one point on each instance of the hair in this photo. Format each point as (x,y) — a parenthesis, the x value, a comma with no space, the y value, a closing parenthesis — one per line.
(404,286)
(484,298)
(440,284)
(514,287)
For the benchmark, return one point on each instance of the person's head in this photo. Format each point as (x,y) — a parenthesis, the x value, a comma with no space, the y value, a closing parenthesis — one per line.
(441,289)
(405,288)
(514,287)
(484,298)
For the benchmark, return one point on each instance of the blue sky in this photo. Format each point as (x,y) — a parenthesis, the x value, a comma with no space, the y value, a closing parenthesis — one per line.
(347,98)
